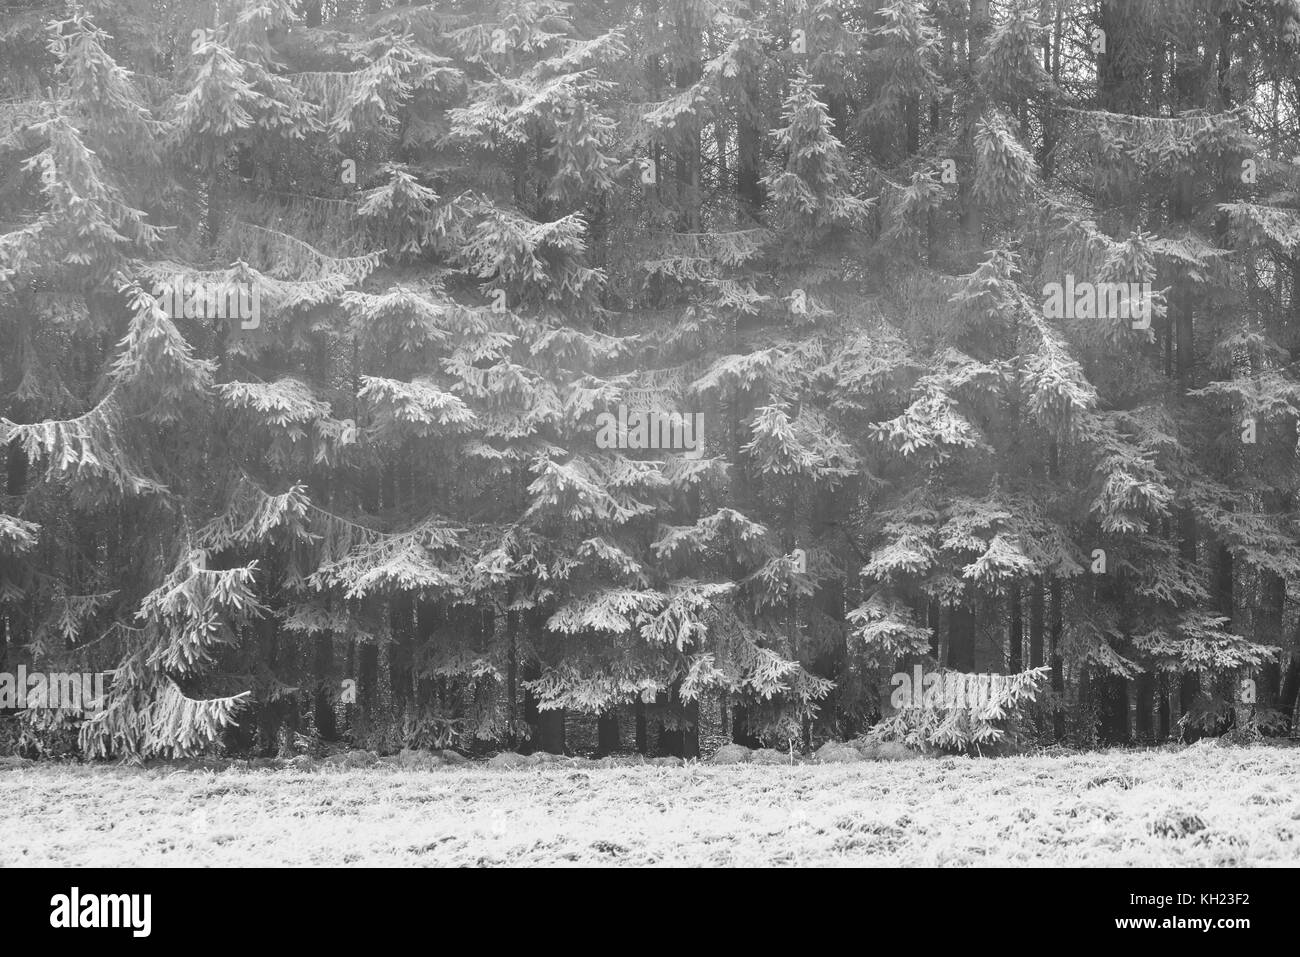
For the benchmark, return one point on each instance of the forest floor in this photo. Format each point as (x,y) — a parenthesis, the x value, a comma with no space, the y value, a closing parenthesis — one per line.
(1204,805)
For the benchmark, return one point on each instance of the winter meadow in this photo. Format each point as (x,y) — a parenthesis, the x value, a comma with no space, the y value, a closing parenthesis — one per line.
(649,432)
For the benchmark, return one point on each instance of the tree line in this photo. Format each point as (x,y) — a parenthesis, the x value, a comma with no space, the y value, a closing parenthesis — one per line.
(316,315)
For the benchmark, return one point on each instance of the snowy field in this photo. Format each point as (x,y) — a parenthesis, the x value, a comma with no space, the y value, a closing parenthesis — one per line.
(1200,806)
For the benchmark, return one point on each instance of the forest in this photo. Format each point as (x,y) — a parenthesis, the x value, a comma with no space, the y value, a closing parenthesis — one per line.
(644,375)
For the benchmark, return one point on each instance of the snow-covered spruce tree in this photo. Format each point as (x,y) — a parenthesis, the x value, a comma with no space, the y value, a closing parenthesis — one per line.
(99,453)
(696,604)
(953,535)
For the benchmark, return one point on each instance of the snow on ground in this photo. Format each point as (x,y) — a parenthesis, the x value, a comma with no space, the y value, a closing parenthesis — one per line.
(1203,805)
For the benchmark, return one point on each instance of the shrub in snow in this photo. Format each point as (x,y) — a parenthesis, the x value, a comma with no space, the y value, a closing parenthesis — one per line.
(732,754)
(1175,823)
(837,752)
(995,724)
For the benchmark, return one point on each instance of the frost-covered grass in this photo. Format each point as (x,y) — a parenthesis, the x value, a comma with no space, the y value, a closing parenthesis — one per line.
(1203,805)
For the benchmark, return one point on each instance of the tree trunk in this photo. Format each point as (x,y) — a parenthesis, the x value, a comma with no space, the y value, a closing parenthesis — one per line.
(1085,713)
(1189,690)
(368,681)
(1146,699)
(691,734)
(1058,664)
(607,739)
(1051,66)
(1286,702)
(1036,622)
(512,676)
(681,742)
(1037,629)
(551,730)
(741,731)
(1290,690)
(1165,726)
(326,688)
(749,157)
(972,209)
(934,618)
(272,711)
(1241,711)
(1117,709)
(642,731)
(1017,636)
(961,638)
(531,671)
(1269,632)
(401,673)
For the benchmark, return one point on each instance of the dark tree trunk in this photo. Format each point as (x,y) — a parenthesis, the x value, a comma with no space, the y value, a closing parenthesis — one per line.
(1189,689)
(972,209)
(1115,723)
(1165,716)
(551,730)
(828,603)
(1085,710)
(1017,636)
(741,731)
(1037,629)
(670,740)
(1190,685)
(15,470)
(681,742)
(512,678)
(642,731)
(1051,66)
(400,651)
(691,735)
(326,688)
(913,124)
(273,711)
(1058,663)
(1272,610)
(1286,702)
(1184,367)
(1037,624)
(15,484)
(607,739)
(531,671)
(749,158)
(1226,600)
(368,680)
(1146,699)
(961,638)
